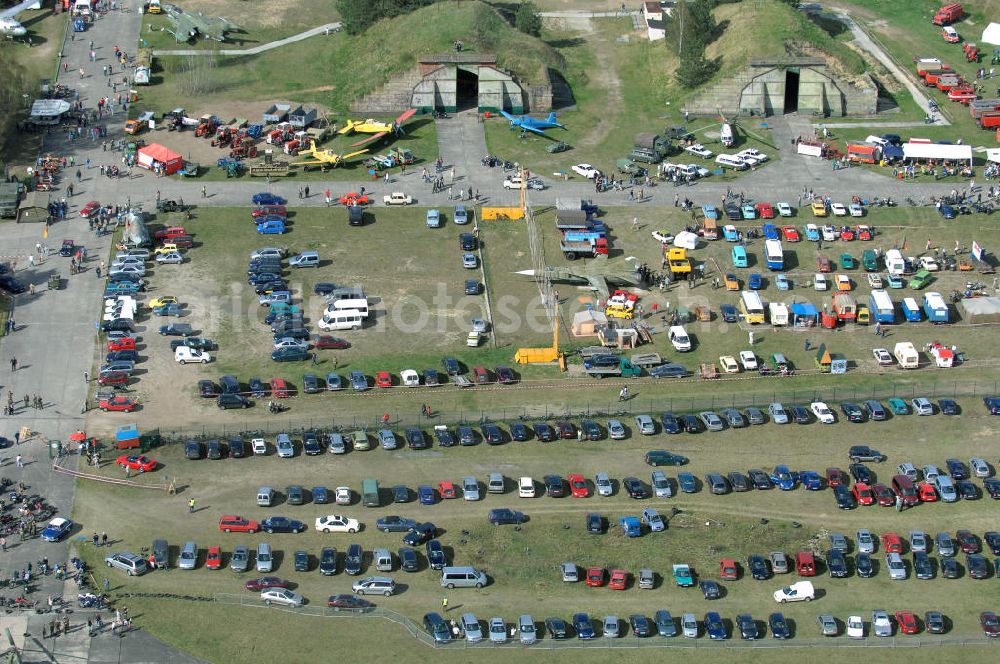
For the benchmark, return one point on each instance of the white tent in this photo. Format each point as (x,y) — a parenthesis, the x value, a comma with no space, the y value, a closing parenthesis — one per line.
(993,154)
(686,240)
(937,151)
(991,35)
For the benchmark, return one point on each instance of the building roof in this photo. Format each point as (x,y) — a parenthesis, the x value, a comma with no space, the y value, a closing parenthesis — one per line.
(48,107)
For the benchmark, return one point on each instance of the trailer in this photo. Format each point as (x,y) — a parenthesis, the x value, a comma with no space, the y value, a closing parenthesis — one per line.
(276,113)
(570,204)
(774,255)
(895,264)
(778,313)
(300,118)
(599,366)
(646,360)
(906,354)
(143,66)
(881,307)
(864,153)
(935,308)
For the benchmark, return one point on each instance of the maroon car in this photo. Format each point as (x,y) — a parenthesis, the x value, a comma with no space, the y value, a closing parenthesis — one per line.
(348,602)
(326,341)
(884,495)
(113,378)
(968,542)
(265,582)
(269,210)
(836,477)
(990,624)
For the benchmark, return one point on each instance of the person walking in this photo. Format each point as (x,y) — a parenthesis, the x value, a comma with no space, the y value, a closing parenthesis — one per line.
(314,359)
(107,589)
(191,504)
(13,364)
(444,604)
(19,461)
(623,394)
(86,376)
(3,544)
(104,538)
(750,337)
(96,539)
(204,192)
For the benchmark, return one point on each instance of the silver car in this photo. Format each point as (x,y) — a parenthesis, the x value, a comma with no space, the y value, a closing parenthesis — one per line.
(945,545)
(827,624)
(897,568)
(661,485)
(240,560)
(526,630)
(470,625)
(603,483)
(498,630)
(470,488)
(778,413)
(918,541)
(189,556)
(615,430)
(881,624)
(387,439)
(612,627)
(711,421)
(931,472)
(979,467)
(922,406)
(866,541)
(946,489)
(645,425)
(734,418)
(689,625)
(283,443)
(281,596)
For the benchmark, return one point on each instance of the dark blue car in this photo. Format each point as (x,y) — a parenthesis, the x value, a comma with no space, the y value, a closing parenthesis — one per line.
(435,554)
(715,627)
(582,625)
(267,198)
(670,423)
(281,524)
(687,482)
(426,494)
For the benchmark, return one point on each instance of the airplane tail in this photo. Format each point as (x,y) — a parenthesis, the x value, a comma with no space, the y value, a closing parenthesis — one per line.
(552,117)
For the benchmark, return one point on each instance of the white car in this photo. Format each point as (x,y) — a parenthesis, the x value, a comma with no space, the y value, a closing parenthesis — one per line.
(875,280)
(856,210)
(282,596)
(699,150)
(183,355)
(829,232)
(679,338)
(663,237)
(812,231)
(928,263)
(342,496)
(586,170)
(479,325)
(729,364)
(259,446)
(172,257)
(838,209)
(822,412)
(979,467)
(855,628)
(866,541)
(337,523)
(526,487)
(784,209)
(748,360)
(882,356)
(700,171)
(603,483)
(752,153)
(410,378)
(800,591)
(289,342)
(819,281)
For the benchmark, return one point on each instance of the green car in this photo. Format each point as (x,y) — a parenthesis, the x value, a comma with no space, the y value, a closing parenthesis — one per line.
(921,280)
(664,458)
(557,147)
(898,407)
(847,262)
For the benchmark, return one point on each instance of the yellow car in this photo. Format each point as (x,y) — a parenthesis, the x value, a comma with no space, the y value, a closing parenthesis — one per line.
(162,300)
(728,364)
(819,209)
(168,248)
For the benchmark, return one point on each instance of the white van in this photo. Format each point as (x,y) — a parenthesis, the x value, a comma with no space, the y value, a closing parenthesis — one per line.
(360,305)
(732,161)
(383,560)
(348,319)
(726,135)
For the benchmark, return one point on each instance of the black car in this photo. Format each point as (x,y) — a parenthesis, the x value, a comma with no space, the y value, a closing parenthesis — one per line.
(864,453)
(501,516)
(799,414)
(543,432)
(738,481)
(948,407)
(431,377)
(214,449)
(467,242)
(665,623)
(505,375)
(443,436)
(451,366)
(861,473)
(408,559)
(948,567)
(281,524)
(747,626)
(472,287)
(760,479)
(967,490)
(415,438)
(353,559)
(176,330)
(710,589)
(922,567)
(732,211)
(844,497)
(641,626)
(778,625)
(301,561)
(555,486)
(977,566)
(757,565)
(328,561)
(324,288)
(228,401)
(420,534)
(237,448)
(310,444)
(591,430)
(400,494)
(595,523)
(836,563)
(435,554)
(192,450)
(992,539)
(290,330)
(295,495)
(957,469)
(198,343)
(934,622)
(258,388)
(519,432)
(207,389)
(355,215)
(117,325)
(691,423)
(852,411)
(262,287)
(635,488)
(670,423)
(12,285)
(310,383)
(492,434)
(863,563)
(556,628)
(466,435)
(992,487)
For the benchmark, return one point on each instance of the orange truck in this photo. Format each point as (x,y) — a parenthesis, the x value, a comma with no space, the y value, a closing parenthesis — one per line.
(865,153)
(948,14)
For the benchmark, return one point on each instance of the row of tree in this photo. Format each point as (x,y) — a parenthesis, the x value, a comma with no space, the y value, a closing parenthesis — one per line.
(691,28)
(358,15)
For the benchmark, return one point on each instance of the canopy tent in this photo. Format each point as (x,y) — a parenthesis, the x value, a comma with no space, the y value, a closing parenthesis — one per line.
(944,151)
(171,161)
(991,35)
(586,323)
(804,315)
(993,154)
(979,310)
(686,240)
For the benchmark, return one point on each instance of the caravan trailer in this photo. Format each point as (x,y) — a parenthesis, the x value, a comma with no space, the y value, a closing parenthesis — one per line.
(726,135)
(774,255)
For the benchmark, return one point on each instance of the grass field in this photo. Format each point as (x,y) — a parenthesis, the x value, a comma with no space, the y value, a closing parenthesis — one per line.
(523,564)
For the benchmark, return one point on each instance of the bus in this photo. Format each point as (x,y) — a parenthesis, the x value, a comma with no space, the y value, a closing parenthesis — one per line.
(774,255)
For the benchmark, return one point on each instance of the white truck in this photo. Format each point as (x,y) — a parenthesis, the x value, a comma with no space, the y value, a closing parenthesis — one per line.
(800,591)
(397,198)
(183,355)
(906,354)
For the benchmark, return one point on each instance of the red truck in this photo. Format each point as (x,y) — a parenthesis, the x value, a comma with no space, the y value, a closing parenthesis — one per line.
(948,14)
(989,121)
(981,106)
(862,152)
(925,65)
(949,81)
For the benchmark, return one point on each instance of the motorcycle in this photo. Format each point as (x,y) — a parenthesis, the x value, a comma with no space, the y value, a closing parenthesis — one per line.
(273,407)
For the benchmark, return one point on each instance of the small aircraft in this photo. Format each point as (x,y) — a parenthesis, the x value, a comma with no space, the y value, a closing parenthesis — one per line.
(324,157)
(528,123)
(9,27)
(597,275)
(376,127)
(188,25)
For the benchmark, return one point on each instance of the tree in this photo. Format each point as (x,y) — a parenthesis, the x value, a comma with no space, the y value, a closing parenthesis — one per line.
(528,20)
(358,16)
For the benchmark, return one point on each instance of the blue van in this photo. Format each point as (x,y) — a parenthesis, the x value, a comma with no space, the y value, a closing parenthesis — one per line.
(740,256)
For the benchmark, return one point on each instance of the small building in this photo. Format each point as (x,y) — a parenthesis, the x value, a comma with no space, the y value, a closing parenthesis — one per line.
(654,14)
(587,323)
(824,360)
(981,310)
(47,112)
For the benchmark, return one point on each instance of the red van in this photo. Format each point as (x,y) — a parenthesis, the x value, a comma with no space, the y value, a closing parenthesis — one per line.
(805,564)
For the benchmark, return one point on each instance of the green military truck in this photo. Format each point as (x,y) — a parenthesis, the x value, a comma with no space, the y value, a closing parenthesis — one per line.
(11,194)
(650,148)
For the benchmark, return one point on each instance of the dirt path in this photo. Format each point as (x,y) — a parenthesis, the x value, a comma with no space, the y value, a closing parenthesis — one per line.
(612,87)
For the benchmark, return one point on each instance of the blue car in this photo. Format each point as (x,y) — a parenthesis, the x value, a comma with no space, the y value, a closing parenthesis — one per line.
(426,494)
(433,219)
(267,198)
(582,625)
(271,228)
(687,482)
(715,627)
(359,382)
(755,282)
(811,480)
(947,211)
(280,524)
(710,212)
(748,211)
(729,313)
(812,233)
(670,423)
(783,478)
(770,231)
(57,529)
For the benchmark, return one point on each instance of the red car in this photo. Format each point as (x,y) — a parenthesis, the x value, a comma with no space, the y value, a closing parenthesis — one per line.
(927,492)
(765,211)
(864,232)
(383,379)
(124,343)
(863,494)
(268,211)
(279,388)
(578,486)
(90,209)
(354,198)
(447,490)
(136,462)
(214,558)
(791,233)
(170,233)
(118,404)
(326,341)
(619,579)
(846,234)
(480,375)
(595,577)
(891,543)
(265,582)
(822,263)
(907,622)
(113,378)
(884,495)
(728,569)
(836,477)
(237,524)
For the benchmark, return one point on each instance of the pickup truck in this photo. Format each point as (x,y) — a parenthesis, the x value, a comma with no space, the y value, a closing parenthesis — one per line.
(610,365)
(397,198)
(682,576)
(646,360)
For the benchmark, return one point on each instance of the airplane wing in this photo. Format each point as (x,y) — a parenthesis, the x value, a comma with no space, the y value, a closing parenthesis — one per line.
(369,139)
(348,126)
(352,154)
(598,283)
(536,130)
(11,12)
(184,28)
(406,116)
(507,115)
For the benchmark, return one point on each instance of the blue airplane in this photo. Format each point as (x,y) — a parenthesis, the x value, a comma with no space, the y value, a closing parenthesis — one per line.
(527,123)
